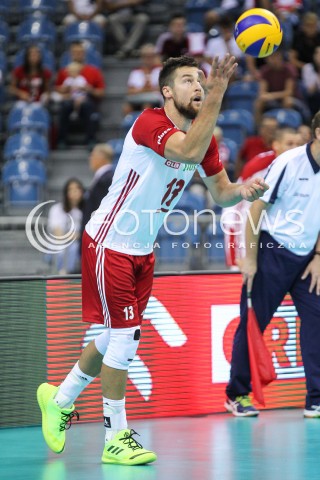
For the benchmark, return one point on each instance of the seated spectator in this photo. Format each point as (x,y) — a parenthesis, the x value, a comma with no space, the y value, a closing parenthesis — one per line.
(75,86)
(311,81)
(143,85)
(85,10)
(122,13)
(223,42)
(30,82)
(175,42)
(100,163)
(277,87)
(305,132)
(229,9)
(88,109)
(305,41)
(256,144)
(60,223)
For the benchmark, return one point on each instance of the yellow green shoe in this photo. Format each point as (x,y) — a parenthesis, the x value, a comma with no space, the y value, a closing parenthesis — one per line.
(55,420)
(123,449)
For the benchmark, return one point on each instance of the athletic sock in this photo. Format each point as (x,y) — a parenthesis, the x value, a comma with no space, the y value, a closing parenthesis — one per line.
(71,387)
(115,418)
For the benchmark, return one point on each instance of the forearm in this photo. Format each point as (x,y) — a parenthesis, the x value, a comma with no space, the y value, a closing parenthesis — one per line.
(228,195)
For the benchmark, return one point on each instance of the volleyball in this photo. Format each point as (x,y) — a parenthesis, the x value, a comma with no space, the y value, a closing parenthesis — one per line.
(258,32)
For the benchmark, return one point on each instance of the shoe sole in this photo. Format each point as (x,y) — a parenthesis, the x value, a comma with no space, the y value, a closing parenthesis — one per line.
(136,461)
(308,414)
(44,418)
(237,414)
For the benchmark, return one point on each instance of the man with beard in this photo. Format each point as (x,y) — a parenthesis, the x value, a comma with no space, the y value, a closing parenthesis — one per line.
(160,154)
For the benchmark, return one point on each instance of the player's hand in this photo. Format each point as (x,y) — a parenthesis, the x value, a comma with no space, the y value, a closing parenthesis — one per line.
(220,74)
(313,269)
(248,268)
(253,190)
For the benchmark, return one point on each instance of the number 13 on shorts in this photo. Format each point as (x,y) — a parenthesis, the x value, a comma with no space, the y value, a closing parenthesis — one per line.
(128,312)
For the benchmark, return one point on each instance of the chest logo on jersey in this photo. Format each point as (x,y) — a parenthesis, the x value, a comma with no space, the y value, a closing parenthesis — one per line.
(189,168)
(171,164)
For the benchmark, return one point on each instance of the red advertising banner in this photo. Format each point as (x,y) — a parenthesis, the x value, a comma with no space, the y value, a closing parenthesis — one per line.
(182,365)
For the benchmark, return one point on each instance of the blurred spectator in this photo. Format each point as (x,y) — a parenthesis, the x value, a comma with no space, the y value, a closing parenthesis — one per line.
(254,145)
(305,41)
(85,10)
(143,87)
(100,162)
(175,41)
(311,81)
(88,109)
(122,13)
(223,42)
(305,132)
(30,82)
(277,87)
(229,9)
(234,218)
(75,86)
(60,223)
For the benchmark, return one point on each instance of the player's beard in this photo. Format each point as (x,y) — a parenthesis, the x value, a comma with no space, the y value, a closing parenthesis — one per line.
(188,111)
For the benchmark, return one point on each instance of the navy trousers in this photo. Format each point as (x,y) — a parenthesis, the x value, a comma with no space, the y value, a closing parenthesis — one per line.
(279,271)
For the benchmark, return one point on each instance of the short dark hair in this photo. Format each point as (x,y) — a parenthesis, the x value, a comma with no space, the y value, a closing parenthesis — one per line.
(315,123)
(170,66)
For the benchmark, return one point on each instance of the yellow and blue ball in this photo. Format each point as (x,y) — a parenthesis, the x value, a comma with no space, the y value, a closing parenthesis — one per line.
(258,32)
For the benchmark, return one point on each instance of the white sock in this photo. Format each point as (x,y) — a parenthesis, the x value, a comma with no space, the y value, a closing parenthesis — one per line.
(71,387)
(115,418)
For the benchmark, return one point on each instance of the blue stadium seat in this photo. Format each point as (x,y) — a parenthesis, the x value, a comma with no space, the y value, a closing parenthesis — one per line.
(285,116)
(93,57)
(80,31)
(48,58)
(32,117)
(4,34)
(189,202)
(37,29)
(44,6)
(27,145)
(3,71)
(236,124)
(196,9)
(128,121)
(5,8)
(233,147)
(23,182)
(117,145)
(242,95)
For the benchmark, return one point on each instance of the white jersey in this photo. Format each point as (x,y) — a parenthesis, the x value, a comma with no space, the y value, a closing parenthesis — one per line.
(145,187)
(293,218)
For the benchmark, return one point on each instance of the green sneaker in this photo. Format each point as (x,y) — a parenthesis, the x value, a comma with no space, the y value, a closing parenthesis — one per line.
(241,406)
(55,420)
(123,449)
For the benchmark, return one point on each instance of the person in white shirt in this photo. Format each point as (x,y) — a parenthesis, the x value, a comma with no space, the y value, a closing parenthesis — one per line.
(85,11)
(160,154)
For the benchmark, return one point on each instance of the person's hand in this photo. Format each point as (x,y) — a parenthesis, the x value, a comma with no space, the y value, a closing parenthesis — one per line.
(220,74)
(254,189)
(313,269)
(25,96)
(248,268)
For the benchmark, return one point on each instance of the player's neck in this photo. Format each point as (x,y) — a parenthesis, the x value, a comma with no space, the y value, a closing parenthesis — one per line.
(179,120)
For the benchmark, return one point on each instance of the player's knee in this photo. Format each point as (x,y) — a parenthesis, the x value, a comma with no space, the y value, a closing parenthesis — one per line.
(102,342)
(122,347)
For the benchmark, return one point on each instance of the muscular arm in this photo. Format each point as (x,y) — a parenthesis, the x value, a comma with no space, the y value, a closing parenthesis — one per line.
(192,146)
(226,194)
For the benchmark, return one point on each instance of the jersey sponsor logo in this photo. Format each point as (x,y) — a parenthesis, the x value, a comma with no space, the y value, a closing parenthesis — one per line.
(160,137)
(189,168)
(171,164)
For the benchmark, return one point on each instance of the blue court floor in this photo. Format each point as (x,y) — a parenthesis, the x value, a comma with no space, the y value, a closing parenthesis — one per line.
(279,445)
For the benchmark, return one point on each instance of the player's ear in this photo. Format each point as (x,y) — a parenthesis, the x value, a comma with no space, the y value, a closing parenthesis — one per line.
(167,92)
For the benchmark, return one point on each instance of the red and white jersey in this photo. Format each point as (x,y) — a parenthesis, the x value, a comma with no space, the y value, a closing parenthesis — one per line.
(145,187)
(234,218)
